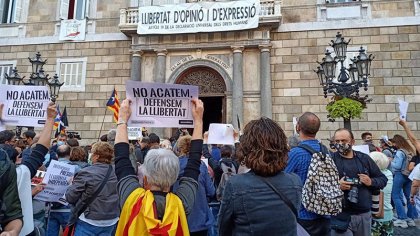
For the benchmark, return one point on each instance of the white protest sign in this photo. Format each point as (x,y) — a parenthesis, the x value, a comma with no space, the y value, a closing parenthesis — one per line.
(57,180)
(403,106)
(134,133)
(221,134)
(24,105)
(295,121)
(160,105)
(199,17)
(362,148)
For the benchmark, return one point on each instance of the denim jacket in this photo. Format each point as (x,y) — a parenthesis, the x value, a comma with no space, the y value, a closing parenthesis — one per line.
(250,207)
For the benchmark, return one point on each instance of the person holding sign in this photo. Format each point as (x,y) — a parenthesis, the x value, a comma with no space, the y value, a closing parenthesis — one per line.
(28,168)
(160,168)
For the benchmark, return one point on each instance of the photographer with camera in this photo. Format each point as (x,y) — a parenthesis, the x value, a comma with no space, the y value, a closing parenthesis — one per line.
(359,176)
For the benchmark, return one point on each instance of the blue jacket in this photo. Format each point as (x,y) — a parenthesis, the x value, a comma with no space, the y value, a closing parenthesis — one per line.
(250,207)
(398,162)
(298,163)
(201,217)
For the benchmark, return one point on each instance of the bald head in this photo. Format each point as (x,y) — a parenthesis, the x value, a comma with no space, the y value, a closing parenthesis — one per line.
(63,151)
(309,124)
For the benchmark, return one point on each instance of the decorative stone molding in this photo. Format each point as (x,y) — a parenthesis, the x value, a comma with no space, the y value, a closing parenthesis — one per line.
(237,49)
(209,80)
(161,52)
(202,63)
(265,47)
(137,53)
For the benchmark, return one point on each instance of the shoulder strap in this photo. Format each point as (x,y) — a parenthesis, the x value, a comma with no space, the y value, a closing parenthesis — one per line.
(90,200)
(282,197)
(307,148)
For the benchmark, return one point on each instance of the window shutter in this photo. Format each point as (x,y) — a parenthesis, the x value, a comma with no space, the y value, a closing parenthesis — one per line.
(2,13)
(18,12)
(87,8)
(64,9)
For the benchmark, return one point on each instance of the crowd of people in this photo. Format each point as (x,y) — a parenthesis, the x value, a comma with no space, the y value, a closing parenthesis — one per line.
(265,184)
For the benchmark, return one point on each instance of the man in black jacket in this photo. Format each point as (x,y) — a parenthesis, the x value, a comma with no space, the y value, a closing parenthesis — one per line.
(359,176)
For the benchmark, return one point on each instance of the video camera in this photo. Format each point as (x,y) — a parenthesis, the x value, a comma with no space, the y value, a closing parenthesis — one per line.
(73,134)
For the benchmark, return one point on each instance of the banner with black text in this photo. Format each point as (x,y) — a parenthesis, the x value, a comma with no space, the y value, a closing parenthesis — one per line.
(199,17)
(24,105)
(160,105)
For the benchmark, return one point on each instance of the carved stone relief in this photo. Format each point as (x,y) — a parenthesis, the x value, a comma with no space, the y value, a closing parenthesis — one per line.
(208,80)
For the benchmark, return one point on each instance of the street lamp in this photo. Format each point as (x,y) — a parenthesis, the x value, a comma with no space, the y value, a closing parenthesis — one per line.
(15,78)
(37,78)
(54,87)
(347,83)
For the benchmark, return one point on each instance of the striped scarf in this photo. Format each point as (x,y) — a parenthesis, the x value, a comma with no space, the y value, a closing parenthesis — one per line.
(139,216)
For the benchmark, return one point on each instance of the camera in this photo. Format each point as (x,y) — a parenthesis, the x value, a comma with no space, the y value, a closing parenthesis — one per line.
(354,181)
(353,195)
(73,134)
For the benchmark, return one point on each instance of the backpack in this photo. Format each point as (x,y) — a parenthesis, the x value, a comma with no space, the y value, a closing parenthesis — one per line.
(5,164)
(228,171)
(321,193)
(406,163)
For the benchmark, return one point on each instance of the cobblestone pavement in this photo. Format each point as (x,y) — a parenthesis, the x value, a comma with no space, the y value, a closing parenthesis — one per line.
(410,231)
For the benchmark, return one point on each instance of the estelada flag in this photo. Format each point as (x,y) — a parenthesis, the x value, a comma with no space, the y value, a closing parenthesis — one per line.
(139,217)
(57,118)
(113,104)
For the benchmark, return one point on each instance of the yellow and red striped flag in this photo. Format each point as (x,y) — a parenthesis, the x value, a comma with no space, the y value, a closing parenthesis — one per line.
(113,104)
(139,216)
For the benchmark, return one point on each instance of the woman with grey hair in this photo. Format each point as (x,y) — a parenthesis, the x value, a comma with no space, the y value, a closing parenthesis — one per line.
(152,209)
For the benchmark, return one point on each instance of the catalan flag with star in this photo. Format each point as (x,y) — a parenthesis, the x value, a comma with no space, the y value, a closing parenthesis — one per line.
(57,118)
(113,104)
(139,216)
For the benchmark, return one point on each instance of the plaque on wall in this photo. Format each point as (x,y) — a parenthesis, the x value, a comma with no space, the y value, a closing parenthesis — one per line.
(73,30)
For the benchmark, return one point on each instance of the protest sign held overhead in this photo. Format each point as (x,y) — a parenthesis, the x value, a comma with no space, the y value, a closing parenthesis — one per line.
(160,105)
(134,133)
(57,180)
(24,105)
(199,17)
(221,134)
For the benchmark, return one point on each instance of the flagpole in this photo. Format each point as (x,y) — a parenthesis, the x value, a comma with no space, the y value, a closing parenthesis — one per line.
(102,125)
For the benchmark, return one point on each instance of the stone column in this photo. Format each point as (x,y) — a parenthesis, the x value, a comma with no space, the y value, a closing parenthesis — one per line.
(136,65)
(265,81)
(237,89)
(160,72)
(160,68)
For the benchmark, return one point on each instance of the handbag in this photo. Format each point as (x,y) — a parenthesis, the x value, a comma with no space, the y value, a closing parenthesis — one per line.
(299,229)
(341,222)
(81,207)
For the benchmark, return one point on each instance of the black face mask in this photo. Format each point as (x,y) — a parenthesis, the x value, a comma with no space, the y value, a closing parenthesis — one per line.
(343,149)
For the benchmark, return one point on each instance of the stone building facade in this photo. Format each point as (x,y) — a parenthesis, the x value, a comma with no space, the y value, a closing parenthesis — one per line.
(242,74)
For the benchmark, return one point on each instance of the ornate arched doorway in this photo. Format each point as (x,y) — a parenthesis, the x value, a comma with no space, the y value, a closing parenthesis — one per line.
(212,90)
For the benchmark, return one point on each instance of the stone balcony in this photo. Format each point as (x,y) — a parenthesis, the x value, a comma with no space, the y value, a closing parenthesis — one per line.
(270,16)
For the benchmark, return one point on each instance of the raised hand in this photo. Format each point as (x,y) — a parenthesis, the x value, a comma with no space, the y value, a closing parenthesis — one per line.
(125,111)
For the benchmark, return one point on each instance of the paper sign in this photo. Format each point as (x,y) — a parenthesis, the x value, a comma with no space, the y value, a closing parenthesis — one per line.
(57,180)
(160,105)
(134,133)
(24,105)
(362,148)
(295,121)
(415,174)
(403,106)
(37,179)
(221,134)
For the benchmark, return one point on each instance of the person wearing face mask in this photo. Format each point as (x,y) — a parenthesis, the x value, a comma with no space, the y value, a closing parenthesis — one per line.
(359,177)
